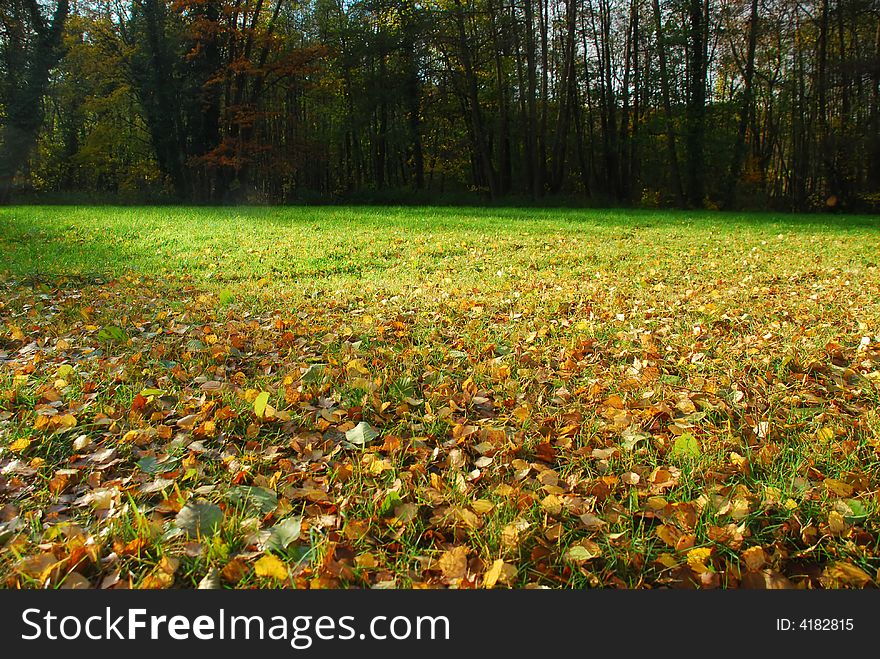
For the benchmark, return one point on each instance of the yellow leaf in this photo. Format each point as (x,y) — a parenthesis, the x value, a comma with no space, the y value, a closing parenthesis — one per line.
(510,536)
(668,534)
(825,434)
(836,523)
(260,404)
(503,490)
(739,509)
(162,576)
(130,436)
(838,487)
(357,366)
(492,575)
(19,444)
(67,421)
(697,558)
(482,506)
(522,412)
(379,465)
(585,550)
(552,504)
(271,567)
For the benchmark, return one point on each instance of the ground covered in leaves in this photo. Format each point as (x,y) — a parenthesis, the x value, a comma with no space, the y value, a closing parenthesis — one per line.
(422,398)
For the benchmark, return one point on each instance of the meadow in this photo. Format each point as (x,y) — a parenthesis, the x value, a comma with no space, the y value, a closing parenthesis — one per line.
(407,397)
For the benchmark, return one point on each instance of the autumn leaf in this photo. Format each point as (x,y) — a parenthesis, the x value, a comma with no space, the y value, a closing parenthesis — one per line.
(499,572)
(838,488)
(583,552)
(842,574)
(199,518)
(261,403)
(686,445)
(225,297)
(754,558)
(493,574)
(284,533)
(253,499)
(361,434)
(113,334)
(211,581)
(19,444)
(271,567)
(696,559)
(453,563)
(162,575)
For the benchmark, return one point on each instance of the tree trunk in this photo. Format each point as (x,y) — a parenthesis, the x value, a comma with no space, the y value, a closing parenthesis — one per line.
(745,112)
(483,154)
(566,100)
(696,106)
(532,168)
(505,167)
(675,173)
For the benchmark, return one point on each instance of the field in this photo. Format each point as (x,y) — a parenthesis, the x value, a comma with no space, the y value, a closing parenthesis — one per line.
(438,397)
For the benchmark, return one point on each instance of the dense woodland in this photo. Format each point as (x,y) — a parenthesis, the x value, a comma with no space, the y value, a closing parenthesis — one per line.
(688,103)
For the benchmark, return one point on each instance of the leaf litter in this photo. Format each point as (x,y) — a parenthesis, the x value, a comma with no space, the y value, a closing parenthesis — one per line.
(573,434)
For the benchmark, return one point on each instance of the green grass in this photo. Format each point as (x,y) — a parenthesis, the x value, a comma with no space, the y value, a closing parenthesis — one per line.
(578,344)
(317,246)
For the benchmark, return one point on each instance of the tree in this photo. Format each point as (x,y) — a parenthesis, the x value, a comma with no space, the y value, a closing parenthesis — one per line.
(31,48)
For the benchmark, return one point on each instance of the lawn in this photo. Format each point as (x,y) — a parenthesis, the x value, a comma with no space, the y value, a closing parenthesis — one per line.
(438,397)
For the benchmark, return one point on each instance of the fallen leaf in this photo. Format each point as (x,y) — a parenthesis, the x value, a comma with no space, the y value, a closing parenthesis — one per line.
(842,574)
(361,434)
(453,563)
(260,404)
(162,575)
(696,559)
(271,567)
(199,518)
(585,550)
(754,558)
(284,533)
(210,581)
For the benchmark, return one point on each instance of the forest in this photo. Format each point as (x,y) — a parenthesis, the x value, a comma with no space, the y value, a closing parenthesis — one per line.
(713,104)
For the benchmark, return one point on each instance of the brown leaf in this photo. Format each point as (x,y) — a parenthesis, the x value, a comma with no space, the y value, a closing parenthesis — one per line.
(234,571)
(162,575)
(754,558)
(766,580)
(453,563)
(842,574)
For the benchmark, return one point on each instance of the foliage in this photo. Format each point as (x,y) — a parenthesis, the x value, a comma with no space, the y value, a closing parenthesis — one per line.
(701,104)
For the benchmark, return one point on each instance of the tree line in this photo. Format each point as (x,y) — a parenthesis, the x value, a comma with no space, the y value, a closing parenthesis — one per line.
(686,103)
